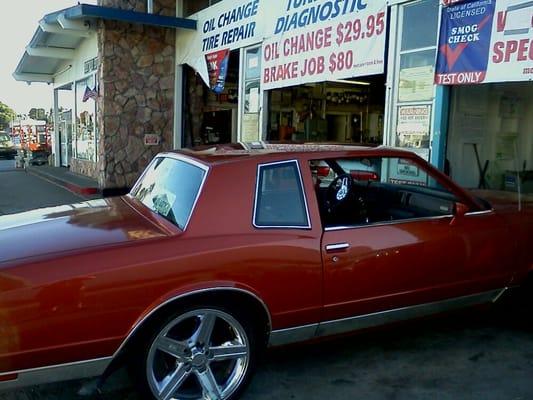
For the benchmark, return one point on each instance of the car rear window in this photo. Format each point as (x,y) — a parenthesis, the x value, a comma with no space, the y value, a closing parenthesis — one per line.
(170,188)
(280,200)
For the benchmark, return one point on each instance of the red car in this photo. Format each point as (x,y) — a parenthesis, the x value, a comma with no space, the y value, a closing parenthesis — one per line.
(219,253)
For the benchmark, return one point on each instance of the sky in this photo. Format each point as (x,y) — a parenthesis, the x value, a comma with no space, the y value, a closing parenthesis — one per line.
(19,22)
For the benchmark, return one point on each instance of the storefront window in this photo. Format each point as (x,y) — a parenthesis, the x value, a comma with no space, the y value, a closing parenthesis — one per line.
(65,105)
(250,129)
(209,117)
(339,111)
(490,143)
(415,94)
(86,130)
(420,21)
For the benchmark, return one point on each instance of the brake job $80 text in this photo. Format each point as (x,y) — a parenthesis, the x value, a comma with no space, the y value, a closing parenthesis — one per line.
(326,45)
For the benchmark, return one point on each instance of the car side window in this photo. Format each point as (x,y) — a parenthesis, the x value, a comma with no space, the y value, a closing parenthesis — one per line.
(280,200)
(370,190)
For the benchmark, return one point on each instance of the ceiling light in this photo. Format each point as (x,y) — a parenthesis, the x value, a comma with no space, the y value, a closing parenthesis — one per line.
(361,83)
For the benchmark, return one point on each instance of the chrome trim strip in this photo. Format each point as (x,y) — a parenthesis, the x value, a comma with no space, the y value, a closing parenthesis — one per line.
(402,314)
(259,166)
(292,335)
(327,328)
(484,212)
(56,373)
(138,324)
(494,300)
(184,158)
(338,246)
(384,223)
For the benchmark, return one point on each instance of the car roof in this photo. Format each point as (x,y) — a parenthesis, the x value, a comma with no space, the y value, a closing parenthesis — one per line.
(218,154)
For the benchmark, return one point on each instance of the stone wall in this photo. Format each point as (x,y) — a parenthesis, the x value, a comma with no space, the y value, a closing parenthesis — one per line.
(84,167)
(136,80)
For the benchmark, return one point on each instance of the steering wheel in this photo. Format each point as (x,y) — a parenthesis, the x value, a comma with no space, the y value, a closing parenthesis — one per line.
(339,192)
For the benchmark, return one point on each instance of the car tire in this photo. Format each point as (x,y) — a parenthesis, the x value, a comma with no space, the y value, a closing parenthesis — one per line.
(201,352)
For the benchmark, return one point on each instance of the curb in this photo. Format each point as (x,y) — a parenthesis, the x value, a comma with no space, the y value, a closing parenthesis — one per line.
(81,190)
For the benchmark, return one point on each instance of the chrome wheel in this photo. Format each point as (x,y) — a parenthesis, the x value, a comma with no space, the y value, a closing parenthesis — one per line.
(203,354)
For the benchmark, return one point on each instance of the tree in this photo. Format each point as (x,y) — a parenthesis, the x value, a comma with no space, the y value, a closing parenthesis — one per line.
(6,116)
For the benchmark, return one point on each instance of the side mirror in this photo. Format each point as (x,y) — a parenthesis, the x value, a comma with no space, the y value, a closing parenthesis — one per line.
(460,211)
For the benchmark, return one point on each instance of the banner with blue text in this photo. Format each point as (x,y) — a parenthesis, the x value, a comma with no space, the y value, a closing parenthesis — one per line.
(303,40)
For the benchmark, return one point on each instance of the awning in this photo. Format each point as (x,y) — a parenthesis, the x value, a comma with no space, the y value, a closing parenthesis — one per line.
(60,33)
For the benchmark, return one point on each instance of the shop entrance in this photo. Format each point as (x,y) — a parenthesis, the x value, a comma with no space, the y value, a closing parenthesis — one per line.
(65,135)
(211,118)
(341,111)
(490,141)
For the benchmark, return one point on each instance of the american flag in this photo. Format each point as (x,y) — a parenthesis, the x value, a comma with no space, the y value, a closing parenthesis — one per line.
(90,93)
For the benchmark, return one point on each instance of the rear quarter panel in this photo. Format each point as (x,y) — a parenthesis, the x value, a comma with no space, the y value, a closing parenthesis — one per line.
(82,306)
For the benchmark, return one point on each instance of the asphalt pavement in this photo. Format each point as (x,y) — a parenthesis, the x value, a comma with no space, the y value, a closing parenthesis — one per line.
(21,191)
(478,355)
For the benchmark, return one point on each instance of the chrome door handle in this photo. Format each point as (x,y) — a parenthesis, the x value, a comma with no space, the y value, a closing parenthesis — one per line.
(337,247)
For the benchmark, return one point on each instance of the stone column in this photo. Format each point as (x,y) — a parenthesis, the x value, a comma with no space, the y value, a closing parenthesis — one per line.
(136,81)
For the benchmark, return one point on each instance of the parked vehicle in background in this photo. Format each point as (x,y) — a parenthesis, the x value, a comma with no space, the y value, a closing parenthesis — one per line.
(7,148)
(216,254)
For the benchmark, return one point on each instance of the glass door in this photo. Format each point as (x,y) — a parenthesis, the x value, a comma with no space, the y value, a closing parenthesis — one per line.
(411,92)
(250,100)
(65,134)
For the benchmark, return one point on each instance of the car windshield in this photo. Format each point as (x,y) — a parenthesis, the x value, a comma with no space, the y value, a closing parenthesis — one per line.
(4,137)
(170,188)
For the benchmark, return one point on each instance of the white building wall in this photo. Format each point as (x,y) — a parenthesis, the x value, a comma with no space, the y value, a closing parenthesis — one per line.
(72,70)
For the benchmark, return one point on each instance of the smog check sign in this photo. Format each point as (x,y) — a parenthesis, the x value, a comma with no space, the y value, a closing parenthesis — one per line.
(485,41)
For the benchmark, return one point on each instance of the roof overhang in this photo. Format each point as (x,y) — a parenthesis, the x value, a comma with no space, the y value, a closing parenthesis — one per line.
(87,11)
(60,33)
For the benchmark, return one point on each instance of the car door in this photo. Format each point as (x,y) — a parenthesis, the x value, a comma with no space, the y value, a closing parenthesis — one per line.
(420,254)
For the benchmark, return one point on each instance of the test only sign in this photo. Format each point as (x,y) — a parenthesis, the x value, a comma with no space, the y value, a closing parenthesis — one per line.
(485,41)
(303,41)
(320,40)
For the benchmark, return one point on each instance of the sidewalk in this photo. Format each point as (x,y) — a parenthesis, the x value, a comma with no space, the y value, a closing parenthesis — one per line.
(79,184)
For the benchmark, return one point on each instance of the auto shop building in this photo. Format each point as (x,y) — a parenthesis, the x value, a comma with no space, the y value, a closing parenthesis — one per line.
(394,72)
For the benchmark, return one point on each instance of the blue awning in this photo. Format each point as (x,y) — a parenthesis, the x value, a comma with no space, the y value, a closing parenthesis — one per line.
(83,11)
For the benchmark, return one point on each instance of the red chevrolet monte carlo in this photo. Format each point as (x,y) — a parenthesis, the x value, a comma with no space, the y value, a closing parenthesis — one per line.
(216,254)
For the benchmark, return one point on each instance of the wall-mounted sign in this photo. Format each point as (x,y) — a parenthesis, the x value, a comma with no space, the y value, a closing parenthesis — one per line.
(152,140)
(413,126)
(221,27)
(485,41)
(303,41)
(324,40)
(416,83)
(90,65)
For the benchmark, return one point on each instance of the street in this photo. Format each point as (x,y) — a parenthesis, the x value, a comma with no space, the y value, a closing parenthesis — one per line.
(485,354)
(20,191)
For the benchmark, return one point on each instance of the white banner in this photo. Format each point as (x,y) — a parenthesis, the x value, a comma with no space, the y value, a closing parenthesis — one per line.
(226,25)
(325,40)
(304,40)
(512,42)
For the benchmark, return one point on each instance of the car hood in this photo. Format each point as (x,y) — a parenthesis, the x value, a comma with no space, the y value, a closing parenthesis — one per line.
(49,231)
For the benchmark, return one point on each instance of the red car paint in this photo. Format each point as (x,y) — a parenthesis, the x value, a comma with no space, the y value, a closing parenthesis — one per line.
(98,268)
